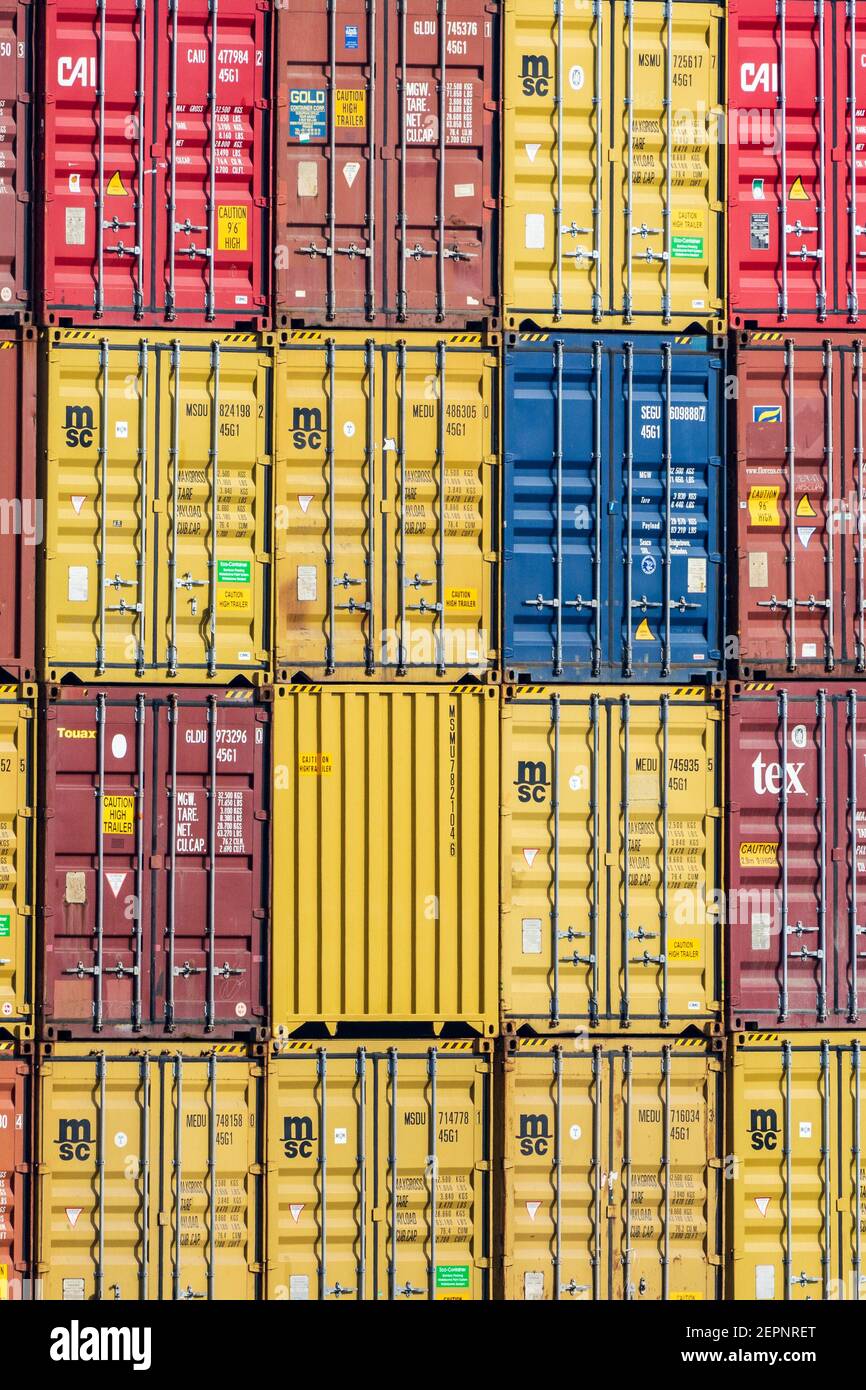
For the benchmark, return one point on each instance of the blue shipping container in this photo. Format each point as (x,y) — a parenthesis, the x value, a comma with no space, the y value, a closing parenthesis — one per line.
(614,519)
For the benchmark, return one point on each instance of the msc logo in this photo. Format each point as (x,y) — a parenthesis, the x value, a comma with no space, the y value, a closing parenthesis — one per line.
(764,1129)
(79,426)
(762,77)
(298,1136)
(76,70)
(531,782)
(306,428)
(535,75)
(74,1140)
(533,1137)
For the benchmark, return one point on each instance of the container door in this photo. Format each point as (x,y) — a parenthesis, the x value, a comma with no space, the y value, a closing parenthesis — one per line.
(214,510)
(669,498)
(97,968)
(17,857)
(16,153)
(557,431)
(438,451)
(210,239)
(206,1158)
(328,531)
(848,499)
(846,1258)
(849,180)
(15,1161)
(209,966)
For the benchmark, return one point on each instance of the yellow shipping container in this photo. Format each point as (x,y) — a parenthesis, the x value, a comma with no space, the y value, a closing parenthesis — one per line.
(379,1171)
(797,1195)
(385,531)
(158,534)
(611,1169)
(611,871)
(386,856)
(613,164)
(17,858)
(150,1171)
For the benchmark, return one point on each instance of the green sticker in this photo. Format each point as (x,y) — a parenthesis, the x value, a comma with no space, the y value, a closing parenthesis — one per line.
(233,571)
(452,1276)
(5,924)
(687,248)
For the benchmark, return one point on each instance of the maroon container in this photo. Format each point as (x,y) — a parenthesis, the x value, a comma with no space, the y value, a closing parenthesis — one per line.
(387,166)
(21,513)
(16,156)
(155,178)
(795,906)
(801,486)
(155,895)
(16,1130)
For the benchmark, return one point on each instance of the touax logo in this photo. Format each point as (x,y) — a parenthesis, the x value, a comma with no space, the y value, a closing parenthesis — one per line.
(298,1136)
(764,1129)
(74,1140)
(77,1343)
(531,781)
(76,733)
(768,778)
(762,77)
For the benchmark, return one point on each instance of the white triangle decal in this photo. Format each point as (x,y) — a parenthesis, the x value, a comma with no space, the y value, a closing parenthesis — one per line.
(77,503)
(532,1208)
(296,1208)
(531,152)
(116,882)
(806,533)
(350,173)
(529,856)
(762,1203)
(305,502)
(72,1215)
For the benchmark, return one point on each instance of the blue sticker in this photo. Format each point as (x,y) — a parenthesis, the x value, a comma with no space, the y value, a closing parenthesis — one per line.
(350,36)
(308,113)
(648,564)
(766,415)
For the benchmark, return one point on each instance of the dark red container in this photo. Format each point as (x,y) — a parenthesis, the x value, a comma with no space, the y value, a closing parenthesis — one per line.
(155,206)
(21,514)
(795,907)
(801,487)
(16,156)
(16,1133)
(155,894)
(797,180)
(387,163)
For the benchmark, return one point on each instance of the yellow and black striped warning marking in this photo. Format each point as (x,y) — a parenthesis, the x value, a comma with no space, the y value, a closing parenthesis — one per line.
(691,1042)
(241,695)
(535,337)
(77,335)
(762,1037)
(689,690)
(7,346)
(683,340)
(306,689)
(305,335)
(766,337)
(464,340)
(760,685)
(239,339)
(8,690)
(467,690)
(229,1050)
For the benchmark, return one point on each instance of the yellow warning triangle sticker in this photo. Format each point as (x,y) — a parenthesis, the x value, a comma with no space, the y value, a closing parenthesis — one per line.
(798,193)
(804,506)
(115,186)
(643,633)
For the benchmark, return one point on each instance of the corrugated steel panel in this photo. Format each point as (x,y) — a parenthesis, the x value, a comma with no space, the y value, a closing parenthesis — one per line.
(379,1157)
(795,175)
(613,549)
(17,64)
(22,512)
(155,149)
(613,168)
(150,1172)
(611,871)
(386,827)
(16,1159)
(387,156)
(17,859)
(155,860)
(157,558)
(386,506)
(795,1195)
(610,1177)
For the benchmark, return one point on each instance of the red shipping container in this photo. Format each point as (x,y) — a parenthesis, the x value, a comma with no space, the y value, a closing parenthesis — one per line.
(795,907)
(797,181)
(801,553)
(155,152)
(16,156)
(155,863)
(16,1119)
(387,163)
(21,514)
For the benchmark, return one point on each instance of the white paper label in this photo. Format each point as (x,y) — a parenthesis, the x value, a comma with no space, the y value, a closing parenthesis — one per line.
(533,1286)
(350,172)
(121,429)
(464,190)
(307,583)
(535,231)
(77,592)
(761,931)
(75,226)
(758,570)
(299,1288)
(809,649)
(341,1136)
(308,178)
(532,936)
(805,1129)
(73,1290)
(765,1282)
(697,576)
